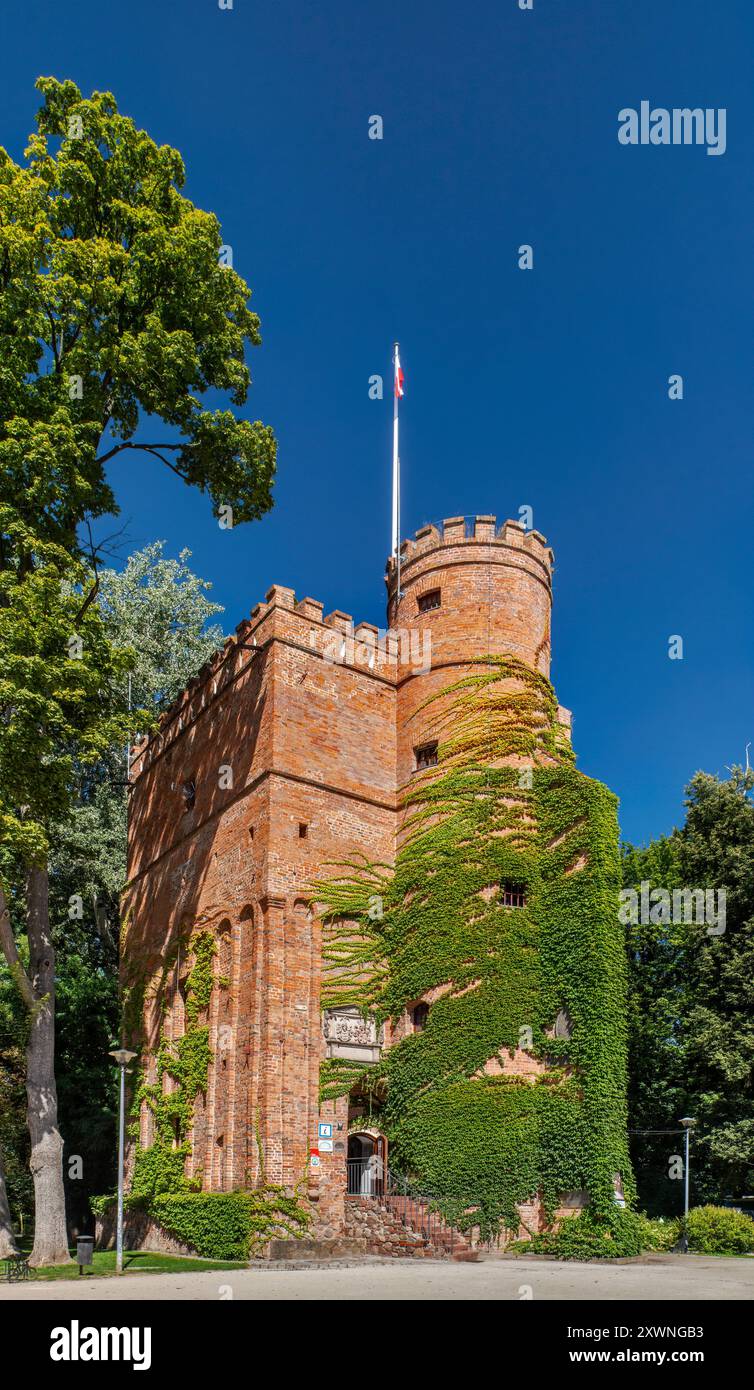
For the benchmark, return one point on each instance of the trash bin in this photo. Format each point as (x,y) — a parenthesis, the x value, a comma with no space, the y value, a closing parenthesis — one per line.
(84,1251)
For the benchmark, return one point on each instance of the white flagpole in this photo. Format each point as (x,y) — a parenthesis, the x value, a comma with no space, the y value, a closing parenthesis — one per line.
(396,476)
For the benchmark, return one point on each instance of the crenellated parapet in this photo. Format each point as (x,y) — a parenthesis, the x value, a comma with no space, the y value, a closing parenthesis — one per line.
(475,587)
(302,623)
(467,533)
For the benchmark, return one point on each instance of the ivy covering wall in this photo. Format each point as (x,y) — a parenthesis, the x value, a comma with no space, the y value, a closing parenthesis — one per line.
(485,1143)
(185,1061)
(219,1225)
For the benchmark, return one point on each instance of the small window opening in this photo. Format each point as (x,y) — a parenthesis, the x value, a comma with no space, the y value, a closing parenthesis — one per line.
(419,1016)
(426,756)
(303,830)
(189,793)
(563,1027)
(513,894)
(432,599)
(251,832)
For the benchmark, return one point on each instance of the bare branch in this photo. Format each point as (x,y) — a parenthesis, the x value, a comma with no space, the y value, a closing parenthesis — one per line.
(148,448)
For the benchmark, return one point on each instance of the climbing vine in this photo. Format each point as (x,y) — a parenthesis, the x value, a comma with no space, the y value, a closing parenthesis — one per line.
(461,1119)
(185,1061)
(220,1225)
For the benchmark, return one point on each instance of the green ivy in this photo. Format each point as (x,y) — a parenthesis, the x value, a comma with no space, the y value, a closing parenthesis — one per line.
(230,1225)
(221,1225)
(218,1225)
(159,1168)
(484,1143)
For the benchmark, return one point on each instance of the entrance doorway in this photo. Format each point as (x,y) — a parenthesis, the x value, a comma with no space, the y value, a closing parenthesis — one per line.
(365,1165)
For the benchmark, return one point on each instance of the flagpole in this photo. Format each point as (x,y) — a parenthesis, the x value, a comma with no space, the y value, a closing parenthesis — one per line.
(396,478)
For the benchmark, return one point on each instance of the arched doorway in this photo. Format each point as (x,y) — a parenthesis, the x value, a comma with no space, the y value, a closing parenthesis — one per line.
(365,1164)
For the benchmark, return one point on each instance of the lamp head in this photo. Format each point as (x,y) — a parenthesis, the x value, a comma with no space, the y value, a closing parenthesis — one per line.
(122,1056)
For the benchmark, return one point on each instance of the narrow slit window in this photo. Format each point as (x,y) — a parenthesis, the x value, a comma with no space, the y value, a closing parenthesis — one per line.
(303,830)
(189,793)
(419,1016)
(432,599)
(512,894)
(426,756)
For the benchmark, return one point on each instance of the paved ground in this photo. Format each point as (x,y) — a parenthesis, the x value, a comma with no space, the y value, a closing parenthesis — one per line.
(661,1277)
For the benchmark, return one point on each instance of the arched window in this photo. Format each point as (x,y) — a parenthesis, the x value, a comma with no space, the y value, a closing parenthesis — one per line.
(224,952)
(419,1016)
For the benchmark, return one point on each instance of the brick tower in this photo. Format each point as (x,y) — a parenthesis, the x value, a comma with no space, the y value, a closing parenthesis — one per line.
(287,756)
(477,590)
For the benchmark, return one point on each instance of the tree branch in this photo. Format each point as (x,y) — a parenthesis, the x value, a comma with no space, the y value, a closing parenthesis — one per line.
(147,448)
(54,339)
(10,951)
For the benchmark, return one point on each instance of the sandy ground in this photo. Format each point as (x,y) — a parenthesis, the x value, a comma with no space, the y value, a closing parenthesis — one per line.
(661,1277)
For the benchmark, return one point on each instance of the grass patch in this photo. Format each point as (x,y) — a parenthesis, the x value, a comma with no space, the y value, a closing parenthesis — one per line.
(134,1262)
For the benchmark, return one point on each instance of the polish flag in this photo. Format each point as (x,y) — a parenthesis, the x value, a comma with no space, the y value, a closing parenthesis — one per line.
(398,377)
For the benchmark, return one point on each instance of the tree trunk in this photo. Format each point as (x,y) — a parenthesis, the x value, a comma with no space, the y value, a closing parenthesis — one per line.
(46,1163)
(7,1243)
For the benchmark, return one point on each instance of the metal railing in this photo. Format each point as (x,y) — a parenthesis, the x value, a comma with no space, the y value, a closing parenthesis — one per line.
(416,1209)
(365,1177)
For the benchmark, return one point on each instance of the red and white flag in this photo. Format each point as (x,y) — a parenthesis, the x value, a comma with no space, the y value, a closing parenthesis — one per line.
(398,376)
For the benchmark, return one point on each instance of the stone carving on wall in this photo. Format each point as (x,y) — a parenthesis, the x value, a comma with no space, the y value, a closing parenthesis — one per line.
(348,1034)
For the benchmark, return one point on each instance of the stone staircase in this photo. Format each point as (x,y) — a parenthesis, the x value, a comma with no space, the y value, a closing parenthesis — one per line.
(394,1225)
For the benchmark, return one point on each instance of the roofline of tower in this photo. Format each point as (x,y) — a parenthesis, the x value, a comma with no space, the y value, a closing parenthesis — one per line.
(471,531)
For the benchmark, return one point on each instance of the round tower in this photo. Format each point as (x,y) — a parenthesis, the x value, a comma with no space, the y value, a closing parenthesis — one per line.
(467,591)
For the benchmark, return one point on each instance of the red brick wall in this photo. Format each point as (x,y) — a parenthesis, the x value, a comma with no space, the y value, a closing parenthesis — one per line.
(279,735)
(314,723)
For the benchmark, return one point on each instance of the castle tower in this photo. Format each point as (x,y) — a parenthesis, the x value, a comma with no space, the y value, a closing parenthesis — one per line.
(483,588)
(340,873)
(468,591)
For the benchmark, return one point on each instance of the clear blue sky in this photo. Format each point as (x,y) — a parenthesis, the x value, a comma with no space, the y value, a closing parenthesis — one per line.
(546,388)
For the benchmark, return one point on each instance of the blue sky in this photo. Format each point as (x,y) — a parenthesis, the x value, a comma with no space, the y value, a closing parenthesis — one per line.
(547,388)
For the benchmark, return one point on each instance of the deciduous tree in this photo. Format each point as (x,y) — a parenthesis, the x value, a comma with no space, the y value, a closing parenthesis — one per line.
(115,313)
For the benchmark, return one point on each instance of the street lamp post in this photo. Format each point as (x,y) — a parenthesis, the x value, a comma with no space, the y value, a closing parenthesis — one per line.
(688,1124)
(122,1056)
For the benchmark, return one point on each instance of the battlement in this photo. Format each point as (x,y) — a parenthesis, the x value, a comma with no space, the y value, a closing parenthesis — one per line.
(358,644)
(468,532)
(363,642)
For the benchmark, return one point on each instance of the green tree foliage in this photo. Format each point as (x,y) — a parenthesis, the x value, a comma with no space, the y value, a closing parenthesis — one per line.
(59,708)
(114,305)
(161,610)
(658,985)
(691,1001)
(717,851)
(114,308)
